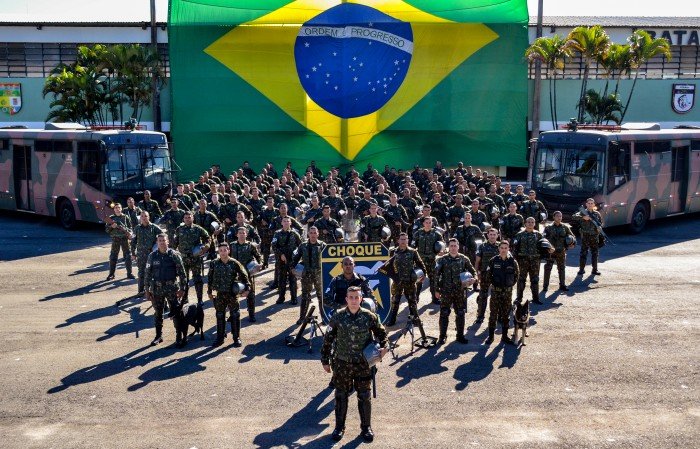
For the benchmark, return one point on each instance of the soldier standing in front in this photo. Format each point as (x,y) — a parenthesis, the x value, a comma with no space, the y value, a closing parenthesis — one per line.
(590,236)
(145,236)
(349,332)
(562,239)
(245,252)
(527,253)
(309,253)
(119,228)
(450,291)
(487,251)
(284,243)
(502,272)
(404,261)
(187,237)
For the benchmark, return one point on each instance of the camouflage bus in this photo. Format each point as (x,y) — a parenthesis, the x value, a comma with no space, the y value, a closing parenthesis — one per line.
(633,175)
(74,173)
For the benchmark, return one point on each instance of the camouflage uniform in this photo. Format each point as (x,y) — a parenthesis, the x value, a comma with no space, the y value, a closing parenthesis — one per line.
(392,214)
(533,209)
(310,256)
(590,239)
(455,216)
(486,252)
(449,285)
(245,253)
(338,288)
(501,276)
(221,277)
(527,254)
(467,236)
(286,242)
(329,225)
(556,234)
(371,228)
(185,200)
(151,206)
(133,214)
(251,236)
(336,203)
(205,220)
(144,239)
(164,276)
(348,334)
(409,204)
(479,218)
(186,238)
(172,219)
(120,240)
(512,224)
(266,231)
(363,206)
(424,242)
(403,263)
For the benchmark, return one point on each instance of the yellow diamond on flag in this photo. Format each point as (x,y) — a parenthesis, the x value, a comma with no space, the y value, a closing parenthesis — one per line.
(262,52)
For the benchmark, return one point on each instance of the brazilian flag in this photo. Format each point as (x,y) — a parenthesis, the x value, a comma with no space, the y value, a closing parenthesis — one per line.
(398,82)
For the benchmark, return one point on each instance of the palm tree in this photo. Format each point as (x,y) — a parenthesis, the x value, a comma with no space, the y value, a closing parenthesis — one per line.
(643,48)
(551,52)
(590,43)
(601,108)
(616,63)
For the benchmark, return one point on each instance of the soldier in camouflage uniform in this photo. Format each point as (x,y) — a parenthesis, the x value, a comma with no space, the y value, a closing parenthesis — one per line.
(120,231)
(335,202)
(590,236)
(145,236)
(132,211)
(284,243)
(478,216)
(165,279)
(364,204)
(338,287)
(184,199)
(245,252)
(455,214)
(224,272)
(371,226)
(150,205)
(309,253)
(556,233)
(425,240)
(527,253)
(403,261)
(251,233)
(533,208)
(487,251)
(467,234)
(205,218)
(350,330)
(513,223)
(396,216)
(187,236)
(502,272)
(265,228)
(450,291)
(326,226)
(172,219)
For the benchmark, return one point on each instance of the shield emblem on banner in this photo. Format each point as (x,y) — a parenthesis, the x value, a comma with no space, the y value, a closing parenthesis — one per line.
(369,257)
(10,97)
(683,98)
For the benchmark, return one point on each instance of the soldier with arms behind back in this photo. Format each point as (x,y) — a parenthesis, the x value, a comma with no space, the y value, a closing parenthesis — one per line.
(502,273)
(450,290)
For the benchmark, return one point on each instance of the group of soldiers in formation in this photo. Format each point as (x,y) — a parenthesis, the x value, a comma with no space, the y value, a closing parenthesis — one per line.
(439,223)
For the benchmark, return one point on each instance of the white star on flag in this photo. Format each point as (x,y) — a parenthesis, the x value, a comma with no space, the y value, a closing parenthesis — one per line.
(306,44)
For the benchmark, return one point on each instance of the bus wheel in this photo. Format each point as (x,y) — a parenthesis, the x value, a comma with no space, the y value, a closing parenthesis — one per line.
(66,214)
(640,216)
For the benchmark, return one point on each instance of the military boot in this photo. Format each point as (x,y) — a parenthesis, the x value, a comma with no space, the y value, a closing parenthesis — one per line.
(489,339)
(520,291)
(581,266)
(364,405)
(250,302)
(444,322)
(480,309)
(341,411)
(594,265)
(391,319)
(282,292)
(303,309)
(112,269)
(220,330)
(535,290)
(159,336)
(545,279)
(129,272)
(459,321)
(235,320)
(293,291)
(504,336)
(199,288)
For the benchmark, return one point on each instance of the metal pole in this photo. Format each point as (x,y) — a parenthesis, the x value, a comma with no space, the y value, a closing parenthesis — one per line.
(536,94)
(157,125)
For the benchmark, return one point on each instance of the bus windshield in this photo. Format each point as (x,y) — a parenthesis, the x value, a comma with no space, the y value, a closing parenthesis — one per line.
(137,167)
(576,169)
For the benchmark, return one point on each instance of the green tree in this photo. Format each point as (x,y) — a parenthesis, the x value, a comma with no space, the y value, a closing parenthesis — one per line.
(591,43)
(551,52)
(643,48)
(601,108)
(616,62)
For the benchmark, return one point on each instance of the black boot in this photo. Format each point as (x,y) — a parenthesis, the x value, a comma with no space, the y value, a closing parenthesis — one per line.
(581,266)
(220,330)
(545,280)
(250,302)
(112,269)
(129,272)
(504,336)
(235,320)
(534,289)
(159,336)
(520,291)
(391,319)
(251,315)
(459,321)
(481,308)
(364,405)
(594,265)
(341,411)
(282,293)
(293,290)
(443,323)
(303,309)
(489,339)
(199,288)
(563,288)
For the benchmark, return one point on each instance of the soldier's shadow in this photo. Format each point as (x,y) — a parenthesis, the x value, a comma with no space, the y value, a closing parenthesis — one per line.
(303,423)
(479,367)
(90,288)
(427,362)
(275,348)
(96,267)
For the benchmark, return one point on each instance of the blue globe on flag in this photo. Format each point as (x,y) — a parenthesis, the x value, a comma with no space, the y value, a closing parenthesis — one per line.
(351,59)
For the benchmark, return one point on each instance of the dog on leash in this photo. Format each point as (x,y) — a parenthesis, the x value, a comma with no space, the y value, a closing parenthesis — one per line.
(185,316)
(520,320)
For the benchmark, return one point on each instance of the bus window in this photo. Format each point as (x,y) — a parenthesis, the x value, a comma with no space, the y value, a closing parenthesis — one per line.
(156,167)
(583,170)
(89,163)
(618,164)
(123,170)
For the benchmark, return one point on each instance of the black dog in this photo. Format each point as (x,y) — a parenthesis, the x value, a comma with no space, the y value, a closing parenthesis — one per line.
(520,320)
(183,318)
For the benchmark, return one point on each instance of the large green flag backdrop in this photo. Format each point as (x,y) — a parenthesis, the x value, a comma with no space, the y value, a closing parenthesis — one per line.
(397,82)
